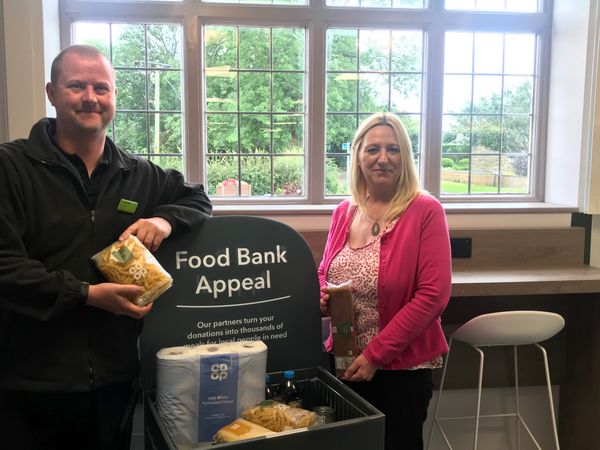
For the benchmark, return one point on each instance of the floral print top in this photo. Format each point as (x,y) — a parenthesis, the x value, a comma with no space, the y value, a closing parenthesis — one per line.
(360,266)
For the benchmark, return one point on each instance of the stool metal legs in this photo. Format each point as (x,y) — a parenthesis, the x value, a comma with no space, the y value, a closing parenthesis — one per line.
(520,421)
(436,423)
(549,386)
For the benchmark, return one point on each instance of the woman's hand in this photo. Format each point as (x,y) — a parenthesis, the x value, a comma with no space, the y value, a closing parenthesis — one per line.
(360,370)
(324,302)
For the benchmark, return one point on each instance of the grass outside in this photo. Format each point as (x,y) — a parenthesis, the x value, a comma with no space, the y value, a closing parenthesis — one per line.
(450,187)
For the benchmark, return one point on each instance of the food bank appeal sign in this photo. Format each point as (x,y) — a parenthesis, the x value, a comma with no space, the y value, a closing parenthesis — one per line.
(237,278)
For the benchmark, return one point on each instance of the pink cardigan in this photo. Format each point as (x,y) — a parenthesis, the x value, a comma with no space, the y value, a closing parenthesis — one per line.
(413,287)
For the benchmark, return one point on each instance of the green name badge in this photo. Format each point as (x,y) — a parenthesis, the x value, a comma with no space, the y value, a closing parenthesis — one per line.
(127,206)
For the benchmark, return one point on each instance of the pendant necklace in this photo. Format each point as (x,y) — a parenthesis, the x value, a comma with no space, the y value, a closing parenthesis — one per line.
(375,228)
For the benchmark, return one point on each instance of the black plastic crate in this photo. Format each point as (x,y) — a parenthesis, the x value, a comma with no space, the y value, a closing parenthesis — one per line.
(358,425)
(289,301)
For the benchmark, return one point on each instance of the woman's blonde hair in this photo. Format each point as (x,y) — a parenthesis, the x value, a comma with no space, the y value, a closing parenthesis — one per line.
(407,186)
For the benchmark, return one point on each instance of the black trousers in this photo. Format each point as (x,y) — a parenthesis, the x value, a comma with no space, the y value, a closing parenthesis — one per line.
(99,420)
(403,396)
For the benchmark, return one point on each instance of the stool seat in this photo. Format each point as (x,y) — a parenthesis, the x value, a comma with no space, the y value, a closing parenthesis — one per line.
(507,328)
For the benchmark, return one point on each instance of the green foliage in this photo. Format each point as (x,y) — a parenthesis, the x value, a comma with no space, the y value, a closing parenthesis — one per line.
(333,185)
(447,163)
(462,164)
(255,102)
(508,133)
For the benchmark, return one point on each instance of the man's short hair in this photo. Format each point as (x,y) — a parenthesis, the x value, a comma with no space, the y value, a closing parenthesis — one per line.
(85,51)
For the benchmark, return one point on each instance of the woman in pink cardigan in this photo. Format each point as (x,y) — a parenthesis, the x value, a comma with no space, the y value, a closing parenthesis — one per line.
(390,239)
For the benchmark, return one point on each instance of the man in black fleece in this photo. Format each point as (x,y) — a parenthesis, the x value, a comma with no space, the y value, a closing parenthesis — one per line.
(69,363)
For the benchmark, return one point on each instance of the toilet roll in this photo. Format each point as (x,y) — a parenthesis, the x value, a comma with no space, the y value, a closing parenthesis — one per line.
(200,389)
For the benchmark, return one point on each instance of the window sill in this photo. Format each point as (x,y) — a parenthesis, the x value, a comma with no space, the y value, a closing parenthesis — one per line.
(451,208)
(460,215)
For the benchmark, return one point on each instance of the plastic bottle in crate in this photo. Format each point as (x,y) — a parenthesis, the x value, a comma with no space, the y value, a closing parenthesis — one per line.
(288,392)
(268,390)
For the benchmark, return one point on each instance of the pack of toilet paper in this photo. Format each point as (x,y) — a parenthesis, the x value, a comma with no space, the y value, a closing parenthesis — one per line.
(201,388)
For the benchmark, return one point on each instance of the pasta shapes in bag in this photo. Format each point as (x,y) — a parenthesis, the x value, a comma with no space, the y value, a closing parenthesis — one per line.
(277,416)
(129,262)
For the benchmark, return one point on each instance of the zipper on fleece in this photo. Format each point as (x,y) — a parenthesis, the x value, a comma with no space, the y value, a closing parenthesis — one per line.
(91,363)
(92,380)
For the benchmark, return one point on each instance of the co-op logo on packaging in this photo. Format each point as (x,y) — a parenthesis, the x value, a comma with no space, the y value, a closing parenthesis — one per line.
(219,371)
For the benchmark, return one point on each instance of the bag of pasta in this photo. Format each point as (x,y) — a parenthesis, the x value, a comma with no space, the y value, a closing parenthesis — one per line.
(277,416)
(129,262)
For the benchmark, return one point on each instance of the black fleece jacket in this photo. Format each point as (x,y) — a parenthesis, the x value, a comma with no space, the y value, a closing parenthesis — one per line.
(49,339)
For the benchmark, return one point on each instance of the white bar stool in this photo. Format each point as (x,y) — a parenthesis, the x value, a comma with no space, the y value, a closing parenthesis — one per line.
(508,328)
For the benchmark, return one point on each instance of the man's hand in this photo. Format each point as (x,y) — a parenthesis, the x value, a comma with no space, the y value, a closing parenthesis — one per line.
(117,299)
(151,232)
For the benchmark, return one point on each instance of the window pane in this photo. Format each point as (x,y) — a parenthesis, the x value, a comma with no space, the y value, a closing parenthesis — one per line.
(165,133)
(168,162)
(519,56)
(220,51)
(374,92)
(342,92)
(515,134)
(486,134)
(341,129)
(458,56)
(342,50)
(271,111)
(289,175)
(488,52)
(494,5)
(222,133)
(261,2)
(222,176)
(487,113)
(130,132)
(374,50)
(515,175)
(518,94)
(457,93)
(288,132)
(386,76)
(254,48)
(288,92)
(140,1)
(484,174)
(406,93)
(133,42)
(257,172)
(147,60)
(288,49)
(255,133)
(221,90)
(164,88)
(405,4)
(487,93)
(134,83)
(412,123)
(407,51)
(255,91)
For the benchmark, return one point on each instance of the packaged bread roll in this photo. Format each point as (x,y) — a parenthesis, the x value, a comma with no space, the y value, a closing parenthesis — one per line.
(240,429)
(129,262)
